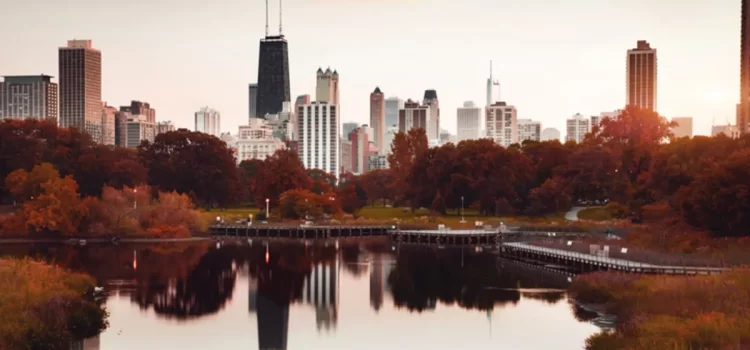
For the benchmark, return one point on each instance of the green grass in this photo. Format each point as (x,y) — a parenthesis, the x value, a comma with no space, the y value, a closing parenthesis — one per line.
(595,214)
(229,215)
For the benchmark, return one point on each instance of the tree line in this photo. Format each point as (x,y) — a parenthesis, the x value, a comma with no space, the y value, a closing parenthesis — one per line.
(631,161)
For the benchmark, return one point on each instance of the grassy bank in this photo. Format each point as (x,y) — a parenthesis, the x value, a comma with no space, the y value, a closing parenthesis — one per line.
(595,214)
(669,312)
(386,215)
(45,307)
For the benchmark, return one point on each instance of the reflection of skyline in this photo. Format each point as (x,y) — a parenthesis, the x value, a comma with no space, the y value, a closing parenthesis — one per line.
(321,289)
(377,280)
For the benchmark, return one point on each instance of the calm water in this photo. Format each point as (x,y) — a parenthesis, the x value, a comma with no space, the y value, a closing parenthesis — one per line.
(292,296)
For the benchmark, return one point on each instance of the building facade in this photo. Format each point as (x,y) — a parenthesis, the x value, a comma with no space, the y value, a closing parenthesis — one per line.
(390,134)
(256,141)
(108,125)
(121,128)
(252,97)
(469,122)
(208,120)
(684,127)
(139,129)
(731,131)
(377,161)
(577,127)
(360,152)
(392,106)
(80,69)
(327,86)
(743,108)
(413,116)
(641,76)
(141,108)
(550,134)
(433,117)
(502,123)
(346,156)
(377,118)
(529,130)
(164,127)
(23,97)
(319,146)
(273,76)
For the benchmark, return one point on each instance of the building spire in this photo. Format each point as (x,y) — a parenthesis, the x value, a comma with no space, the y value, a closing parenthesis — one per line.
(281,33)
(266,17)
(490,69)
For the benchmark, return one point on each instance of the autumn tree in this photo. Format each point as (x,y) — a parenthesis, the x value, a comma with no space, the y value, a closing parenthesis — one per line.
(300,203)
(406,147)
(25,185)
(377,185)
(281,172)
(719,198)
(322,182)
(250,170)
(193,163)
(101,166)
(350,197)
(549,198)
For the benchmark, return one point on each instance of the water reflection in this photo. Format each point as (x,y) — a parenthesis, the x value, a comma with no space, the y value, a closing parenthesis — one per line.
(191,284)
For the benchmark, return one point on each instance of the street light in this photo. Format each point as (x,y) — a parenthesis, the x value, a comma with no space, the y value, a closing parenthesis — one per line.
(462,210)
(267,201)
(135,198)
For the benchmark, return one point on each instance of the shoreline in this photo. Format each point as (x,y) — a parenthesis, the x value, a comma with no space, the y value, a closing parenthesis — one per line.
(75,240)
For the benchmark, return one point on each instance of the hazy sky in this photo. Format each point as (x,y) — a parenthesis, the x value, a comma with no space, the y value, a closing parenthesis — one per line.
(553,58)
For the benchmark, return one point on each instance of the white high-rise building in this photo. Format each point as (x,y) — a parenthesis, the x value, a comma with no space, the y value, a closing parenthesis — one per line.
(433,117)
(390,134)
(414,116)
(318,135)
(208,120)
(549,134)
(392,106)
(469,122)
(731,131)
(139,129)
(529,130)
(23,97)
(577,128)
(502,123)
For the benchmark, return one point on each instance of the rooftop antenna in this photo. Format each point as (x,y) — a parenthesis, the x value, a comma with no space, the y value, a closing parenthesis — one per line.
(266,17)
(280,32)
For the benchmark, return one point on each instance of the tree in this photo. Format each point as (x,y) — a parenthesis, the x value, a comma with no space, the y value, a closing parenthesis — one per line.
(25,185)
(351,201)
(101,166)
(406,147)
(301,203)
(377,185)
(58,209)
(281,172)
(322,182)
(250,170)
(719,198)
(192,163)
(548,198)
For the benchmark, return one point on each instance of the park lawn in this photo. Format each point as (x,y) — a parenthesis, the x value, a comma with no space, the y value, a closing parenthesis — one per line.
(595,214)
(229,215)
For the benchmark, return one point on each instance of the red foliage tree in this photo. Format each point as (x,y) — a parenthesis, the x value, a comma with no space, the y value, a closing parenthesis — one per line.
(280,173)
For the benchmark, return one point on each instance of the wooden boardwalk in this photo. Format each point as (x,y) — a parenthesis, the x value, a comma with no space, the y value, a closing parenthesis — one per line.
(592,262)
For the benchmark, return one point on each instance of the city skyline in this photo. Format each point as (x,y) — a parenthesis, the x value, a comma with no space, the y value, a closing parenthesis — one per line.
(587,75)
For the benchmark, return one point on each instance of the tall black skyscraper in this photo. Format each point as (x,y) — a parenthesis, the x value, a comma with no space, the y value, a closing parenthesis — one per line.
(273,72)
(273,76)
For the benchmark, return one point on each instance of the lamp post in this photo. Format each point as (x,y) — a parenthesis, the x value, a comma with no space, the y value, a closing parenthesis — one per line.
(135,199)
(462,210)
(267,201)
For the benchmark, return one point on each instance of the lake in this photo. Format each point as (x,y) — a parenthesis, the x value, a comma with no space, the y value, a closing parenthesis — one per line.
(352,295)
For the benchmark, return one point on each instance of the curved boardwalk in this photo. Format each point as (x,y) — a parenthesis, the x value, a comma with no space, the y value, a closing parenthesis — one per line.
(592,262)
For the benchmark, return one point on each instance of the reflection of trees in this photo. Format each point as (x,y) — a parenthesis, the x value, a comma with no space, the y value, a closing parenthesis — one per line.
(423,276)
(548,297)
(205,290)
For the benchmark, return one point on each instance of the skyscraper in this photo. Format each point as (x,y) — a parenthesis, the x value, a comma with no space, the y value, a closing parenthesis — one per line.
(577,128)
(529,130)
(377,118)
(469,122)
(360,150)
(24,97)
(684,127)
(317,132)
(743,108)
(348,127)
(208,120)
(491,83)
(502,123)
(273,72)
(392,106)
(141,108)
(413,116)
(252,101)
(641,76)
(108,125)
(433,118)
(550,134)
(327,86)
(80,71)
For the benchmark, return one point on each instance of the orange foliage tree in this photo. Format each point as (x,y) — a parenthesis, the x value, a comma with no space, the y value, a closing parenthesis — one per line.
(295,204)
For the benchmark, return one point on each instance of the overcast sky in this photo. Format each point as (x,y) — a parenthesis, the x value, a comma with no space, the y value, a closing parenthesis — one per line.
(553,58)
